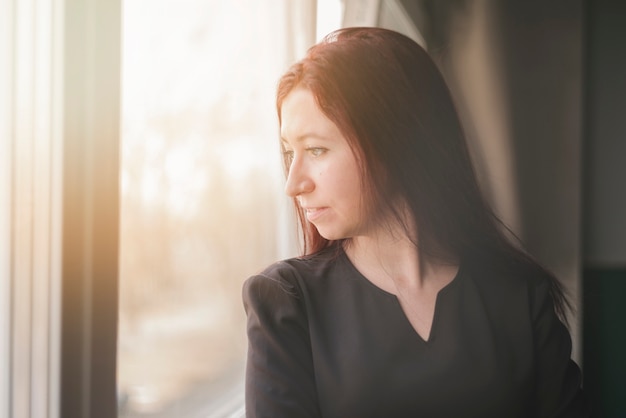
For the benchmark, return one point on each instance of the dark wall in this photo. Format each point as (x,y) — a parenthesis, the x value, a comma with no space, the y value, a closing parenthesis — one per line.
(542,52)
(605,133)
(604,226)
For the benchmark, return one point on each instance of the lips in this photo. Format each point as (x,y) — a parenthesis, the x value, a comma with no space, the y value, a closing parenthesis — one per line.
(313,214)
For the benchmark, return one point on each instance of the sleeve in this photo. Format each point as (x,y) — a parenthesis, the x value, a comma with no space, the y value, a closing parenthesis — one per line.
(559,380)
(280,381)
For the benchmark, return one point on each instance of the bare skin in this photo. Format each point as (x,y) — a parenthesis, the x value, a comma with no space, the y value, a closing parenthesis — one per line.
(390,261)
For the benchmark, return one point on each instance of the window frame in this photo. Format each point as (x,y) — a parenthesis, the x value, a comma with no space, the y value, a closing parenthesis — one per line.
(91,107)
(59,121)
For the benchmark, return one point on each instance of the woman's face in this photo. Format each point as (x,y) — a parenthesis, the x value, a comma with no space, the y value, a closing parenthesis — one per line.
(324,174)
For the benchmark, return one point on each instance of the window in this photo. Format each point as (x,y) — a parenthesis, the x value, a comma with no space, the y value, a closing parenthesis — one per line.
(200,195)
(202,203)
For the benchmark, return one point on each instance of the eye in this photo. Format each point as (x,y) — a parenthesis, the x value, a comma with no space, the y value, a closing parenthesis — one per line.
(316,151)
(288,156)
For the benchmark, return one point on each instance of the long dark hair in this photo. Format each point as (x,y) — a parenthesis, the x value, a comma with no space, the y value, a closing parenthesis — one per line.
(390,102)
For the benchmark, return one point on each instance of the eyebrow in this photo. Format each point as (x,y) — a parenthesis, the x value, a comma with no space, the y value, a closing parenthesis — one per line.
(304,136)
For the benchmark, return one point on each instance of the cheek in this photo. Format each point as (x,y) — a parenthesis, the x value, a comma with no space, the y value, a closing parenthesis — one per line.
(350,189)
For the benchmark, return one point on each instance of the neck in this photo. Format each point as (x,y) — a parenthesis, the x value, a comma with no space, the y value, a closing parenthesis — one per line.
(388,254)
(390,259)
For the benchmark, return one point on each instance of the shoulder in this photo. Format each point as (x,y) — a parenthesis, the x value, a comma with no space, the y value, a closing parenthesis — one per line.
(511,277)
(290,279)
(274,284)
(519,292)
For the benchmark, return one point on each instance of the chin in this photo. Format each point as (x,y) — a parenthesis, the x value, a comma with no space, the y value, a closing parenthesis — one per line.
(332,235)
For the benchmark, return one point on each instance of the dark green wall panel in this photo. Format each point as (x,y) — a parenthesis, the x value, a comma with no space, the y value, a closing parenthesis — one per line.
(604,342)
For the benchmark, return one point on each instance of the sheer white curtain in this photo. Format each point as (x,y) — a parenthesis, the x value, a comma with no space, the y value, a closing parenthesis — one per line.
(30,207)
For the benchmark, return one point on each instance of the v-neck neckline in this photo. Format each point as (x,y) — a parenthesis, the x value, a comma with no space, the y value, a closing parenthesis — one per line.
(398,306)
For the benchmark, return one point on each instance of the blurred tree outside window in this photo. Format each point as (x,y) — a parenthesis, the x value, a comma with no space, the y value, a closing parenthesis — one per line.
(202,206)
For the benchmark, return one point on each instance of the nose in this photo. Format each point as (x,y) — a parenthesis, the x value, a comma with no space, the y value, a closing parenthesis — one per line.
(298,180)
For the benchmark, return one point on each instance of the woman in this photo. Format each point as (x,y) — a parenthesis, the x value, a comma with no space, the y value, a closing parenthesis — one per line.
(408,300)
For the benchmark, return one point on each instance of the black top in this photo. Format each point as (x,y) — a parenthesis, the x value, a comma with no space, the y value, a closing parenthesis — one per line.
(326,342)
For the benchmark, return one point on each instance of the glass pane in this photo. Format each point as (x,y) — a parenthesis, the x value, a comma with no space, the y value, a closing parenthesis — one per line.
(201,197)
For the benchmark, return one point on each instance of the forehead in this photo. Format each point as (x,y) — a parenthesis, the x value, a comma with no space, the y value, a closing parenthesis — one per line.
(300,116)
